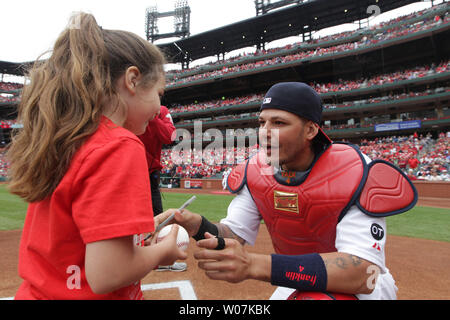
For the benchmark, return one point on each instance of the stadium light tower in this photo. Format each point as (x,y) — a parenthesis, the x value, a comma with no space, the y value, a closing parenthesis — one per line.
(182,18)
(181,14)
(151,22)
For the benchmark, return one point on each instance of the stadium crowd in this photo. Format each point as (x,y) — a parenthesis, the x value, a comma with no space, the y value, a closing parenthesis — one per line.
(340,86)
(9,98)
(10,86)
(368,122)
(4,166)
(420,156)
(376,37)
(322,88)
(9,92)
(7,124)
(434,13)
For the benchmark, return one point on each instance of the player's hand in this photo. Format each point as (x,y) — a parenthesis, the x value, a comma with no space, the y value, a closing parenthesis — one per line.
(185,218)
(163,216)
(149,237)
(232,264)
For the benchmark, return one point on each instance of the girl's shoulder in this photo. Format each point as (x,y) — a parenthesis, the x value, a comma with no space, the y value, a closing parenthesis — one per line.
(109,138)
(110,133)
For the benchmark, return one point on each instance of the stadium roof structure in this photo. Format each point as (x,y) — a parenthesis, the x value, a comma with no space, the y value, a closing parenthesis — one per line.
(294,20)
(298,19)
(14,68)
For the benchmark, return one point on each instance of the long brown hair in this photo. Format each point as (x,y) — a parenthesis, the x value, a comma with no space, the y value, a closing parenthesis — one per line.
(62,103)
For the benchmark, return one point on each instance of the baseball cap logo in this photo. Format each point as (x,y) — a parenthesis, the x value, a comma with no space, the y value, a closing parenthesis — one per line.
(267,100)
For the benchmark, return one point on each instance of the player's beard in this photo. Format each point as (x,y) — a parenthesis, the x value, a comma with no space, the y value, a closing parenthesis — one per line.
(286,154)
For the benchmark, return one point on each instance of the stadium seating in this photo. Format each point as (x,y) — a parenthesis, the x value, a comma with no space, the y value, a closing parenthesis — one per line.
(432,155)
(394,29)
(10,86)
(341,86)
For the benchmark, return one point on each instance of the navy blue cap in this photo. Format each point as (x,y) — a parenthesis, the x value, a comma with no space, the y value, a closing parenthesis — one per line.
(297,98)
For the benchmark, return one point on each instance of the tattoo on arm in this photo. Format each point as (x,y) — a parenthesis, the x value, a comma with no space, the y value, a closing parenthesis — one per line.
(356,261)
(225,232)
(343,262)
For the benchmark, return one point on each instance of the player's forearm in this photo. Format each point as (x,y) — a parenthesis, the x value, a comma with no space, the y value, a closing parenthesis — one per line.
(197,225)
(347,273)
(225,232)
(333,272)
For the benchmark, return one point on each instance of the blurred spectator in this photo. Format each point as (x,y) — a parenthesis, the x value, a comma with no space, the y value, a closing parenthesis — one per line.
(4,165)
(159,131)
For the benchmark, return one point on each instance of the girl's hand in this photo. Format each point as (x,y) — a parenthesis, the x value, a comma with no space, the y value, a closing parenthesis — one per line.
(169,247)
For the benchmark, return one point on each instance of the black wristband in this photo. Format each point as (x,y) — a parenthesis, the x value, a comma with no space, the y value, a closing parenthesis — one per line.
(206,226)
(304,272)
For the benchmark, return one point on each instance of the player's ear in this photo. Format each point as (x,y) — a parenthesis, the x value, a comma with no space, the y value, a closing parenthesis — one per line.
(311,129)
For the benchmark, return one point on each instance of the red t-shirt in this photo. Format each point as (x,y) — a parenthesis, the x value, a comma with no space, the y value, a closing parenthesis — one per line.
(104,195)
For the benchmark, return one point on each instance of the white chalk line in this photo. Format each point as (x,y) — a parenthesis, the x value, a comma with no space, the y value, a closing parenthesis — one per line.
(184,287)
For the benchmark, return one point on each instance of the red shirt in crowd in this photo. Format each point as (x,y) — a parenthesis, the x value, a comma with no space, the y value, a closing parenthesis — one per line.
(104,195)
(4,125)
(159,131)
(413,163)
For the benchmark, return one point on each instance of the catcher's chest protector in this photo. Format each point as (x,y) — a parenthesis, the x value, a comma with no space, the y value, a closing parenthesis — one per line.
(302,218)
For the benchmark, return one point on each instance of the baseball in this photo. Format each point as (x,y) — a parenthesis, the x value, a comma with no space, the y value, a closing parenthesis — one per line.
(182,237)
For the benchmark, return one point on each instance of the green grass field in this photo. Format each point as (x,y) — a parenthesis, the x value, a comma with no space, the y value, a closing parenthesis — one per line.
(420,222)
(12,210)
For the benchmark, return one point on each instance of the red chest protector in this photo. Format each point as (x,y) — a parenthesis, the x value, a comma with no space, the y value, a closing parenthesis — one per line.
(303,218)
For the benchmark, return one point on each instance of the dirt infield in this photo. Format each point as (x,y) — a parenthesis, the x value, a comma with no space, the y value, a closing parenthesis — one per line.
(420,268)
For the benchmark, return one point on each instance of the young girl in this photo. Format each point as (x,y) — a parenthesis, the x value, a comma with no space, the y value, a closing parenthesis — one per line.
(81,167)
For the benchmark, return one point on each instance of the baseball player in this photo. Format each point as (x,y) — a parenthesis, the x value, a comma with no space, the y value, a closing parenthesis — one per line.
(324,205)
